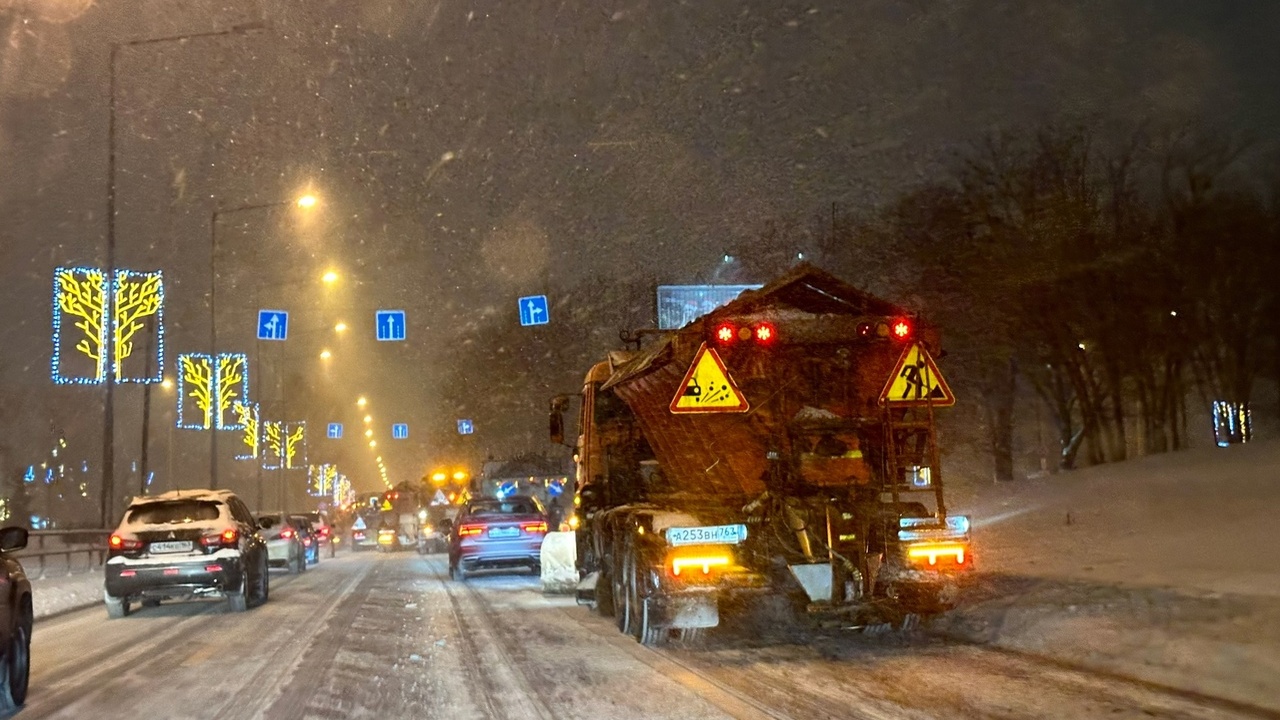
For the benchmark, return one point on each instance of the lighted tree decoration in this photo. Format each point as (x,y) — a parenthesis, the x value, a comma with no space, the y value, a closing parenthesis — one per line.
(196,381)
(285,446)
(80,293)
(215,384)
(273,439)
(247,414)
(233,385)
(295,441)
(138,297)
(138,306)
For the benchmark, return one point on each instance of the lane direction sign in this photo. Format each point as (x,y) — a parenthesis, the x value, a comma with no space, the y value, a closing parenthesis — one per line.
(335,431)
(390,325)
(273,325)
(400,431)
(534,310)
(465,427)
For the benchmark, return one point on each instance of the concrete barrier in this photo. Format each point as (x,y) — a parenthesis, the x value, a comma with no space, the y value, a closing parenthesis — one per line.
(559,562)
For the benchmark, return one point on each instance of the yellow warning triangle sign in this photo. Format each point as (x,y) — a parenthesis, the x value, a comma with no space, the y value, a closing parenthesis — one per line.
(916,381)
(707,387)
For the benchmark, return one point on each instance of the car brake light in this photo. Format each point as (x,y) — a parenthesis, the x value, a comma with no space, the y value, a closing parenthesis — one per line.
(470,529)
(323,533)
(286,533)
(703,562)
(306,542)
(118,542)
(229,536)
(213,568)
(128,573)
(538,527)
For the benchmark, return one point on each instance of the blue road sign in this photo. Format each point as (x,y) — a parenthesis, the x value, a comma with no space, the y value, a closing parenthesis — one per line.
(400,431)
(465,427)
(335,431)
(273,325)
(390,324)
(533,310)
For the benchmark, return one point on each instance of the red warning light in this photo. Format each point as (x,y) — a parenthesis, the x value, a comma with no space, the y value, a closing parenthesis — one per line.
(725,333)
(764,333)
(901,329)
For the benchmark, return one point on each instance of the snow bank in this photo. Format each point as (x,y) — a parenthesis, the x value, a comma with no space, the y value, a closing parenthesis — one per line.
(1158,569)
(61,593)
(559,559)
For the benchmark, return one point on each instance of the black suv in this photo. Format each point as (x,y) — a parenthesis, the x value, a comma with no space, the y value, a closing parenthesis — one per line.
(186,544)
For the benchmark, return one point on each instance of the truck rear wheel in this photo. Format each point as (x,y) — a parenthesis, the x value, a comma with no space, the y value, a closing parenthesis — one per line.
(639,606)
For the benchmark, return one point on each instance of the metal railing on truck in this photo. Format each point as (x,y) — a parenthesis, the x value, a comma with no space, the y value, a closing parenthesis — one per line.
(44,547)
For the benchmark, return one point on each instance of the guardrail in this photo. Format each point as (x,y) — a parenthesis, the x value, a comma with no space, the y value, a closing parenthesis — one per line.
(44,547)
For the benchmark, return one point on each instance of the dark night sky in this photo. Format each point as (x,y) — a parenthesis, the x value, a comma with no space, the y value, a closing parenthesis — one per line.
(471,152)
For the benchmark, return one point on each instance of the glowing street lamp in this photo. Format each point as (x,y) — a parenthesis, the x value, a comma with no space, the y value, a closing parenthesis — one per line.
(307,201)
(368,418)
(167,383)
(340,327)
(373,443)
(329,277)
(368,433)
(362,402)
(325,354)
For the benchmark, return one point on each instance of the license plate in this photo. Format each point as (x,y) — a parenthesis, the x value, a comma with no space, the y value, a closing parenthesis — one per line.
(707,535)
(504,532)
(171,546)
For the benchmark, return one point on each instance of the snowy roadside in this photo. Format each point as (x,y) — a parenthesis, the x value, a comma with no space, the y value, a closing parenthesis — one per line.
(1153,569)
(62,593)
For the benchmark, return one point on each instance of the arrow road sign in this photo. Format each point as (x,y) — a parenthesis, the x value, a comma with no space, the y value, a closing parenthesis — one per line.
(533,310)
(335,431)
(390,324)
(465,427)
(400,431)
(273,325)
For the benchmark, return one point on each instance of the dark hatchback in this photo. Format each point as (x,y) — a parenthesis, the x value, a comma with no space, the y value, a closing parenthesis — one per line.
(498,534)
(15,620)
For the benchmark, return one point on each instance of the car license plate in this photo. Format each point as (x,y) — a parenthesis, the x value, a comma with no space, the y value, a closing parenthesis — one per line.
(504,532)
(171,546)
(707,535)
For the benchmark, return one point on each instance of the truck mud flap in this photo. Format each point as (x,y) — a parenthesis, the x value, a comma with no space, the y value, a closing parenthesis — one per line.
(688,612)
(586,589)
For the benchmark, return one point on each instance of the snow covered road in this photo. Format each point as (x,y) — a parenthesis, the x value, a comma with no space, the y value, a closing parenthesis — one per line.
(388,636)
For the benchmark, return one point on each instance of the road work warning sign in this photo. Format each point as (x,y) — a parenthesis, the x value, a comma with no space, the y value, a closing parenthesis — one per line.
(707,387)
(916,381)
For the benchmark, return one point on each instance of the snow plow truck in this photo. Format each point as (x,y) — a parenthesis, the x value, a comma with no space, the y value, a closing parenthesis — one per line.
(781,446)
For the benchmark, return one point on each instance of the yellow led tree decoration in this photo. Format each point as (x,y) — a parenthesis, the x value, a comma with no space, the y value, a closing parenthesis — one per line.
(198,381)
(247,414)
(81,293)
(273,436)
(231,381)
(292,442)
(137,297)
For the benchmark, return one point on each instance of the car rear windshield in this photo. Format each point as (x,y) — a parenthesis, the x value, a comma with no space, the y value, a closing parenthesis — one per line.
(173,512)
(313,517)
(522,506)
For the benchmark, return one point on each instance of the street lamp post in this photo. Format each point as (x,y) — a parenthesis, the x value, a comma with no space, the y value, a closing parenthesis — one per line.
(108,303)
(306,202)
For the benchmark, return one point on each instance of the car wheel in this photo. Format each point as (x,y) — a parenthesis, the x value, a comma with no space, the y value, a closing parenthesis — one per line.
(116,607)
(237,600)
(18,666)
(640,607)
(264,582)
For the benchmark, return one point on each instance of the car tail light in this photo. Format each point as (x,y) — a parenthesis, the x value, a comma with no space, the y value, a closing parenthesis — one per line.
(119,542)
(213,568)
(286,533)
(532,528)
(470,529)
(227,538)
(930,553)
(306,542)
(128,573)
(357,534)
(323,533)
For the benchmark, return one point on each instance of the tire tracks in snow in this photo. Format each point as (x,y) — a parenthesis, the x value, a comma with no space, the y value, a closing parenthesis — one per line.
(535,702)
